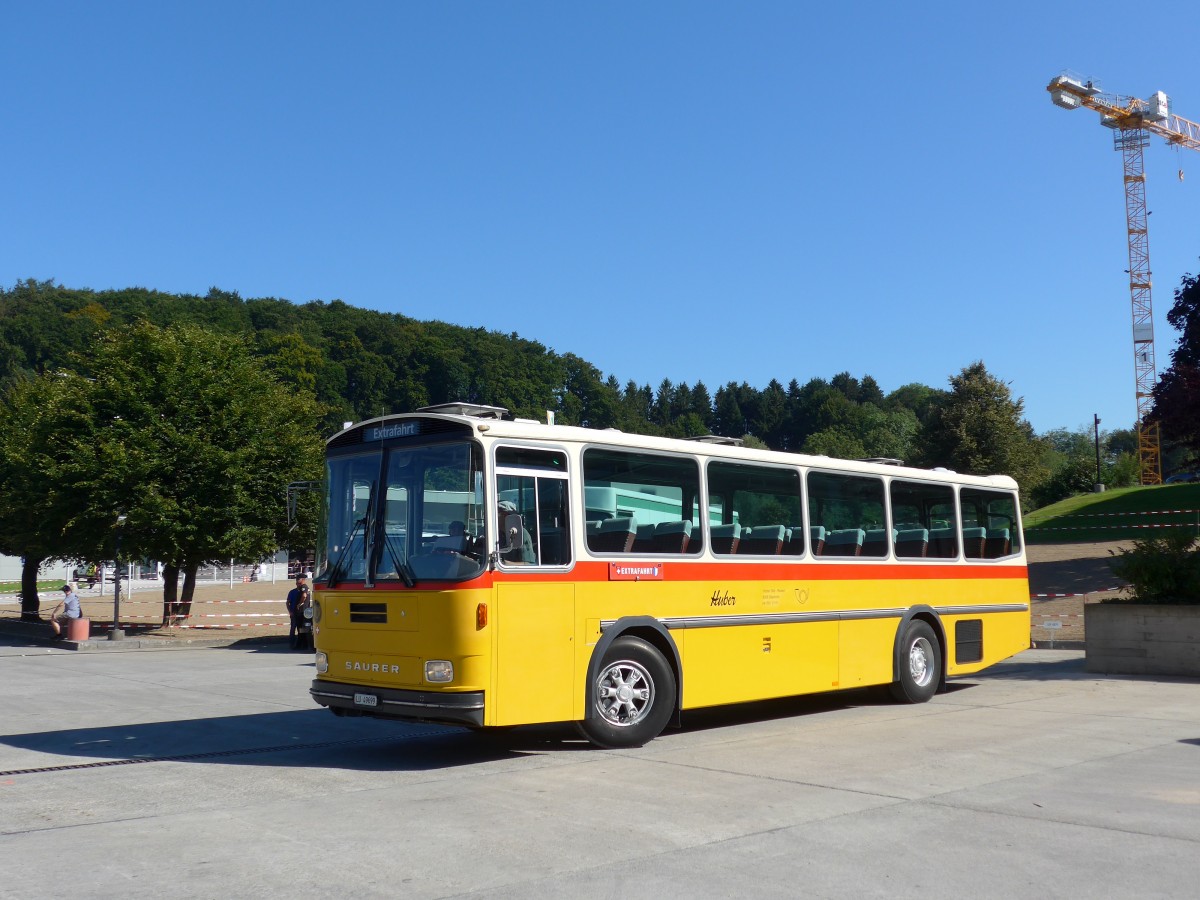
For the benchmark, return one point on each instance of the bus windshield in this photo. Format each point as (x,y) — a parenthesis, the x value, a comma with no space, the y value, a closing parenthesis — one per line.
(403,514)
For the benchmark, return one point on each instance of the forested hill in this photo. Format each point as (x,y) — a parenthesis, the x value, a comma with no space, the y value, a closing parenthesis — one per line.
(361,363)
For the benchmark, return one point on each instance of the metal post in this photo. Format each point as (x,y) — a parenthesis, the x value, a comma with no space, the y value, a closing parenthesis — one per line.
(116,633)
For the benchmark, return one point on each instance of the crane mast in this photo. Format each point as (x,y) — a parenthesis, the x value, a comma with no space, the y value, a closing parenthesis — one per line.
(1133,121)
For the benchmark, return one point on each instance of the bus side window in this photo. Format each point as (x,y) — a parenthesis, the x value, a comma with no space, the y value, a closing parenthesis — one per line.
(641,502)
(923,520)
(533,484)
(989,521)
(851,510)
(760,500)
(554,545)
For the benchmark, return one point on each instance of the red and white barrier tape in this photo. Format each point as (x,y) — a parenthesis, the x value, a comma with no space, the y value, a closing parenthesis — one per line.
(1161,512)
(1097,527)
(1083,594)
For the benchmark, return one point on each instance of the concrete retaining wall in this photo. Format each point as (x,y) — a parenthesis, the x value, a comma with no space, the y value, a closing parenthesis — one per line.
(1137,639)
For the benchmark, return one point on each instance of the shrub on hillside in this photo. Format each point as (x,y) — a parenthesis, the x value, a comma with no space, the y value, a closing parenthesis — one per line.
(1164,569)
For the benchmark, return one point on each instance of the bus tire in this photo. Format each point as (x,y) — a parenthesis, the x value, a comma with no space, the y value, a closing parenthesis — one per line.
(919,664)
(632,696)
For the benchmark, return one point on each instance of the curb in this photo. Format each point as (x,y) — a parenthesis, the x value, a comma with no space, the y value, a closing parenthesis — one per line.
(34,631)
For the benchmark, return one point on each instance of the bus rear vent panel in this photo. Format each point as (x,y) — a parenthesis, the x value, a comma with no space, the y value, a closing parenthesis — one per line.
(968,640)
(369,613)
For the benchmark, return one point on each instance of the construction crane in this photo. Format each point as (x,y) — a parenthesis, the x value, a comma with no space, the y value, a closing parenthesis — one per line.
(1133,121)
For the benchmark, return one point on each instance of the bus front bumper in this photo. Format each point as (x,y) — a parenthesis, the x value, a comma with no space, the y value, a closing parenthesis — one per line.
(389,703)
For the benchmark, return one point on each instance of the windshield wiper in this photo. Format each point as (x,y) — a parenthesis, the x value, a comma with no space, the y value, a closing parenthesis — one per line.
(402,566)
(335,573)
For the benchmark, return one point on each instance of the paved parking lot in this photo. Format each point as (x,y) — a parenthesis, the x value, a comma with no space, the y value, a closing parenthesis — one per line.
(208,773)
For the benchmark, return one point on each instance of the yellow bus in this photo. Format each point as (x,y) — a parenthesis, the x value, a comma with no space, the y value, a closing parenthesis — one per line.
(487,571)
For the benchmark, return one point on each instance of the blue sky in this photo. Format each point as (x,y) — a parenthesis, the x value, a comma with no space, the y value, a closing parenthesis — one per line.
(697,191)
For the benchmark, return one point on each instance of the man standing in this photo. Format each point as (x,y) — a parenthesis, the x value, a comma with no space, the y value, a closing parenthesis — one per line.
(70,610)
(294,598)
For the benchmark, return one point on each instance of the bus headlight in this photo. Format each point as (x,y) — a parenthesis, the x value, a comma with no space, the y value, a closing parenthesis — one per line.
(322,663)
(439,671)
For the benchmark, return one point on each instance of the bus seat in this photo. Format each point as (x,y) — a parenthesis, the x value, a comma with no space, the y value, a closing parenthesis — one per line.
(817,534)
(912,543)
(725,538)
(973,542)
(943,543)
(996,543)
(672,537)
(643,541)
(875,543)
(614,535)
(553,546)
(793,544)
(764,540)
(846,542)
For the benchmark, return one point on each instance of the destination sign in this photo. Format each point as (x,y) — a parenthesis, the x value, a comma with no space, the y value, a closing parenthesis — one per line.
(394,430)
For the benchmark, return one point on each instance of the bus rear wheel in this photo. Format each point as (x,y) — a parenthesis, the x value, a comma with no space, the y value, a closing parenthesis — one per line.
(920,664)
(632,696)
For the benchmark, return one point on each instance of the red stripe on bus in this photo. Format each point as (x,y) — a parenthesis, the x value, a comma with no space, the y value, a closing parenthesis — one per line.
(683,570)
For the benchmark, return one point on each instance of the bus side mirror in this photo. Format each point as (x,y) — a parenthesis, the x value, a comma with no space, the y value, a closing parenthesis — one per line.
(511,538)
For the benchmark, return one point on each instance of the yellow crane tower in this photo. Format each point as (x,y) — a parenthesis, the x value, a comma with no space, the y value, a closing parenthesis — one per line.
(1133,121)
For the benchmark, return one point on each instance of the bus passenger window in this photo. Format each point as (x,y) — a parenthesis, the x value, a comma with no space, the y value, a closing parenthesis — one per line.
(641,503)
(851,511)
(989,521)
(924,520)
(757,509)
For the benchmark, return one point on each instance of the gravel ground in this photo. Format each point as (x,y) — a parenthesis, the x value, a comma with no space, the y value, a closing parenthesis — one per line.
(1079,571)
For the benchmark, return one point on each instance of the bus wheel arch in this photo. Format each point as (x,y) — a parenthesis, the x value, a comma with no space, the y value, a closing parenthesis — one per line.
(636,658)
(919,656)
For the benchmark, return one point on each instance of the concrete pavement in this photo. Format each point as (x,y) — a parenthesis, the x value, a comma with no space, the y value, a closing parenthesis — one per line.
(207,772)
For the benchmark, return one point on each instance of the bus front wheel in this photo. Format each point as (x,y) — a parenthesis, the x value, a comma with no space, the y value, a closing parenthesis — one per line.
(920,664)
(631,696)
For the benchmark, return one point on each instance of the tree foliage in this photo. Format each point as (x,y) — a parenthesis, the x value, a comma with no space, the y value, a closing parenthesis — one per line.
(182,431)
(360,363)
(1177,394)
(979,430)
(37,507)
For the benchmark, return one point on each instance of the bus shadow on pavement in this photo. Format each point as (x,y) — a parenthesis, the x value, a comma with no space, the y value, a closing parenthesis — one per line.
(316,739)
(298,738)
(797,707)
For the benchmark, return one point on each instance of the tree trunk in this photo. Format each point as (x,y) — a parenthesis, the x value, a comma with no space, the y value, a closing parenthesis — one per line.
(170,576)
(189,588)
(30,602)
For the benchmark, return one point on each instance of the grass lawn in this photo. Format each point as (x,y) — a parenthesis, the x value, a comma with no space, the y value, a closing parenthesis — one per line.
(13,587)
(1118,515)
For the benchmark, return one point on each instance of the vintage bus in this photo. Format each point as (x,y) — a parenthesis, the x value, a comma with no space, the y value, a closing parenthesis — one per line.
(488,571)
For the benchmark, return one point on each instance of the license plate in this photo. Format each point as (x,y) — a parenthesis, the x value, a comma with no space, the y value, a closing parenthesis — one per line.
(366,700)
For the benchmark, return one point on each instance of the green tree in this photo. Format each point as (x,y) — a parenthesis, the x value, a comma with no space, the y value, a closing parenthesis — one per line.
(1177,394)
(36,504)
(978,429)
(195,442)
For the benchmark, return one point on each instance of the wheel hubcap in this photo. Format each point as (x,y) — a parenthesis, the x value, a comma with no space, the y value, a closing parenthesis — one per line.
(624,692)
(920,659)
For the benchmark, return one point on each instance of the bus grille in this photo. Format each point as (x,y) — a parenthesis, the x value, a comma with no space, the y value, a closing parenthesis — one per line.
(968,640)
(369,613)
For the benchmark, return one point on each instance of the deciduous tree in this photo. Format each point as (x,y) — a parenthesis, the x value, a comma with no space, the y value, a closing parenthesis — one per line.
(194,441)
(978,429)
(1177,395)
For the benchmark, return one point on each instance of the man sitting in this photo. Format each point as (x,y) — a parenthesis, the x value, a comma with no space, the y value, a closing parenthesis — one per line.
(70,610)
